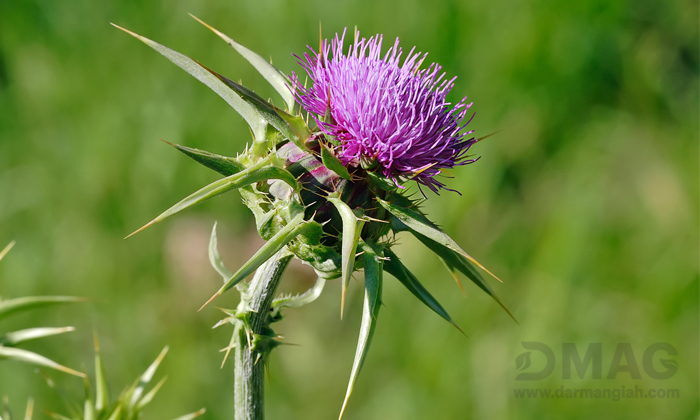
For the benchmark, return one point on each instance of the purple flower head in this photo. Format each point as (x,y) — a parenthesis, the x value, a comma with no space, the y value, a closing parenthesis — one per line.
(396,116)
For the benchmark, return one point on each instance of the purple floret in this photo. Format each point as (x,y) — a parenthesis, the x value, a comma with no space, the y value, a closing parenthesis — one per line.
(396,115)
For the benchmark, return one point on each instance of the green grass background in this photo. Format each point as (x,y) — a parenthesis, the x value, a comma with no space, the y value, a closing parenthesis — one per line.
(586,204)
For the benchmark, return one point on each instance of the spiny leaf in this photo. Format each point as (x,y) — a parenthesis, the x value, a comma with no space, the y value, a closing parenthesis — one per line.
(6,250)
(29,412)
(21,336)
(460,263)
(352,228)
(145,379)
(224,165)
(271,114)
(294,228)
(454,273)
(303,299)
(416,222)
(275,77)
(372,261)
(215,258)
(331,162)
(150,395)
(102,391)
(261,171)
(395,267)
(26,356)
(12,306)
(192,415)
(254,120)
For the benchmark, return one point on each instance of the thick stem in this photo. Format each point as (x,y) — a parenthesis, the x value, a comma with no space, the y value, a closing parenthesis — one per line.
(250,367)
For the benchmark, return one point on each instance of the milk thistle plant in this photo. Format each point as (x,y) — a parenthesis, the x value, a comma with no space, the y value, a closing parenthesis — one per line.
(326,176)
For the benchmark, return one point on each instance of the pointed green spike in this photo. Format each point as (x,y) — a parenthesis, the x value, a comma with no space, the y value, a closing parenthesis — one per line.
(331,162)
(415,221)
(6,412)
(150,395)
(372,260)
(275,77)
(88,407)
(26,356)
(116,413)
(193,415)
(395,267)
(215,258)
(294,228)
(303,299)
(12,306)
(460,263)
(21,336)
(101,391)
(140,385)
(254,120)
(29,412)
(224,165)
(57,416)
(352,228)
(270,113)
(261,171)
(6,250)
(455,275)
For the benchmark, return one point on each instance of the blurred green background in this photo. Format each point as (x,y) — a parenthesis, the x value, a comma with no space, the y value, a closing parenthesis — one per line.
(586,204)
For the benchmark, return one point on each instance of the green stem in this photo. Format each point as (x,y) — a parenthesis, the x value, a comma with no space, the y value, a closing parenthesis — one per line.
(249,386)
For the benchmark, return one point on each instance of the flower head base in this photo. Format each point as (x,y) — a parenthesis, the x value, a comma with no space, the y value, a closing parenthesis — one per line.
(378,110)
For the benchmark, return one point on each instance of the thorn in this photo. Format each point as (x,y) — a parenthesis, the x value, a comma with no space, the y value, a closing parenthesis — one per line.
(6,249)
(488,135)
(216,295)
(149,224)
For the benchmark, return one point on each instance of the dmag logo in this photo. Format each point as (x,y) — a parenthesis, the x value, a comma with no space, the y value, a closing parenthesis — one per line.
(624,360)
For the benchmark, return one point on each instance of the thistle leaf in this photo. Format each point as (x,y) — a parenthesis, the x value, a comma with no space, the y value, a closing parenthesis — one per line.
(102,391)
(352,228)
(224,165)
(261,171)
(303,299)
(150,395)
(416,222)
(215,258)
(21,336)
(254,120)
(6,250)
(29,412)
(12,306)
(331,162)
(455,275)
(294,228)
(137,389)
(460,263)
(26,356)
(371,259)
(270,113)
(395,267)
(275,77)
(192,415)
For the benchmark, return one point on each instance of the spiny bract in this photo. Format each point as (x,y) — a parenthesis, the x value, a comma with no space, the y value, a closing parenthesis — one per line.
(329,192)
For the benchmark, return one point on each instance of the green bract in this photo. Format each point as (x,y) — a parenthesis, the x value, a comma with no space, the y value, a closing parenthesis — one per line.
(306,203)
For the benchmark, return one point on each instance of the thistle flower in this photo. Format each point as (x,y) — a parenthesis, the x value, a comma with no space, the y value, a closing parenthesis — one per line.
(379,111)
(328,193)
